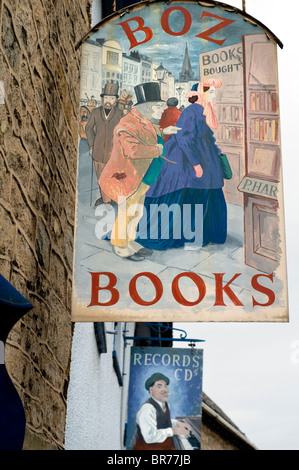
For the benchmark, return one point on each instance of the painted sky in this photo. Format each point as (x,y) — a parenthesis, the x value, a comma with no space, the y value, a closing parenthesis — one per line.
(169,50)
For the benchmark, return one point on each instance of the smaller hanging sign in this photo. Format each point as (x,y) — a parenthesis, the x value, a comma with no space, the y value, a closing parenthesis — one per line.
(165,396)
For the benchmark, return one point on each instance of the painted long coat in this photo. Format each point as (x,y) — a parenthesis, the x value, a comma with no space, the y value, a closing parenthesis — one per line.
(99,132)
(194,144)
(134,147)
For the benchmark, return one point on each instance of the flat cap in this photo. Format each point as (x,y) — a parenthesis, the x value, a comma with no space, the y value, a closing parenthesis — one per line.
(154,378)
(172,102)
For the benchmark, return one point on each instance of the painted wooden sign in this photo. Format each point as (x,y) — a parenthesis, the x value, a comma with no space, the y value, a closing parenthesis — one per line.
(179,194)
(165,399)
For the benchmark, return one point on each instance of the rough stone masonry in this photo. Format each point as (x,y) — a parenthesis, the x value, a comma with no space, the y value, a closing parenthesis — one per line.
(39,115)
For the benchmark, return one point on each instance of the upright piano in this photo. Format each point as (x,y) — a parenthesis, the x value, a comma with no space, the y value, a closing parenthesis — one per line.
(194,441)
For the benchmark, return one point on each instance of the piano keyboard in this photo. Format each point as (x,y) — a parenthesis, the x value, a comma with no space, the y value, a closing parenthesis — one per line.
(193,442)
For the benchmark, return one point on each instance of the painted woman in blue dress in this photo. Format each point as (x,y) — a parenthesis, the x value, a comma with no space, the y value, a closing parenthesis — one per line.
(186,204)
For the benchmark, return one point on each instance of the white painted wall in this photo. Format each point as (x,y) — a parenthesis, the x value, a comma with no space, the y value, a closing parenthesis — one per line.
(96,403)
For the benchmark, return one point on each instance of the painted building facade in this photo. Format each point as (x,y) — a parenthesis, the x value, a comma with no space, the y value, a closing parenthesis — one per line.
(106,61)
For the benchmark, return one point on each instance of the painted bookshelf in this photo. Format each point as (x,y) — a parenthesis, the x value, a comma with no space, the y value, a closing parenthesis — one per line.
(226,63)
(260,185)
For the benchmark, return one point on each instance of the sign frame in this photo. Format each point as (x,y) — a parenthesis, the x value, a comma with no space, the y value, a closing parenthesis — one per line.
(183,368)
(238,284)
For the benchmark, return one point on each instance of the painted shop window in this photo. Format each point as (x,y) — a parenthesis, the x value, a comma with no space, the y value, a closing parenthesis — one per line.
(112,58)
(95,61)
(94,81)
(84,79)
(84,60)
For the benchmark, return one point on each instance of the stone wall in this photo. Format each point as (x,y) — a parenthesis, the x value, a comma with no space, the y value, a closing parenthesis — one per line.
(40,70)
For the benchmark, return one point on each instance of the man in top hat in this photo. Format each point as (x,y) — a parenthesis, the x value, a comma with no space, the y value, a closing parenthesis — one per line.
(154,427)
(99,132)
(135,163)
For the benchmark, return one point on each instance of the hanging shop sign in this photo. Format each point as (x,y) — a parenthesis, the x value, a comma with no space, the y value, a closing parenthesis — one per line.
(165,396)
(180,211)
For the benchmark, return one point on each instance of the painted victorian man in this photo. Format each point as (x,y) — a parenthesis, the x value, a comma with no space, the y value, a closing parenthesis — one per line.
(99,132)
(154,426)
(135,163)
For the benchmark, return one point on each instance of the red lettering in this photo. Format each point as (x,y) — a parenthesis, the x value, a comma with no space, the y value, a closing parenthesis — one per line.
(255,284)
(165,21)
(130,32)
(220,289)
(178,295)
(206,34)
(136,297)
(95,288)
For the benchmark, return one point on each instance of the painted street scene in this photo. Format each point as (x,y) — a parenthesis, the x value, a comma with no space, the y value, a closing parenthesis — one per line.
(179,200)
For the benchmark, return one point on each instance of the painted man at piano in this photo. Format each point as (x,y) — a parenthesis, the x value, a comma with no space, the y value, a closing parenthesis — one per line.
(135,163)
(154,427)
